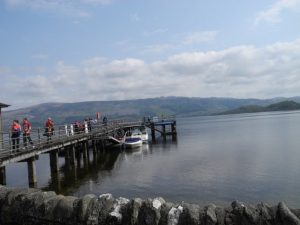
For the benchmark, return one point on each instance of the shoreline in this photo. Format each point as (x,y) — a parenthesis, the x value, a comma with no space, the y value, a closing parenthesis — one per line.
(33,206)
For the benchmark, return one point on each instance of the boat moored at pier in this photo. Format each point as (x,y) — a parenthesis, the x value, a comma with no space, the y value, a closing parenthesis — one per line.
(138,132)
(133,142)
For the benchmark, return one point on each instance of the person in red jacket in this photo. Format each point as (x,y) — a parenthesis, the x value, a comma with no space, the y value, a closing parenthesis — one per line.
(15,134)
(49,129)
(26,132)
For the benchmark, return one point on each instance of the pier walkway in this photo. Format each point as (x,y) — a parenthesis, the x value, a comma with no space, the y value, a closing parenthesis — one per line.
(65,138)
(72,142)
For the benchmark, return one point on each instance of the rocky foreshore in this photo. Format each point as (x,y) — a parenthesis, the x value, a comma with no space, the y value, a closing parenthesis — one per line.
(33,206)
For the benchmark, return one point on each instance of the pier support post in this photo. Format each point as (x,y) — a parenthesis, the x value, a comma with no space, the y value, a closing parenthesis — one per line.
(84,149)
(164,132)
(94,144)
(85,154)
(87,150)
(32,179)
(94,149)
(2,175)
(54,170)
(72,155)
(102,144)
(54,161)
(153,132)
(78,157)
(174,132)
(67,158)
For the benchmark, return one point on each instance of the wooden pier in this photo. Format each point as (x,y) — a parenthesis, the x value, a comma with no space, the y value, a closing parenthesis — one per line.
(72,145)
(165,126)
(65,141)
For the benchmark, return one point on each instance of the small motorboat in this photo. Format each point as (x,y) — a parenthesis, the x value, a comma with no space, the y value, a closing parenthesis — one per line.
(132,142)
(138,132)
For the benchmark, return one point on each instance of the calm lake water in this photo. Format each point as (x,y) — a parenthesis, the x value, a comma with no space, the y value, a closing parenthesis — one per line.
(217,159)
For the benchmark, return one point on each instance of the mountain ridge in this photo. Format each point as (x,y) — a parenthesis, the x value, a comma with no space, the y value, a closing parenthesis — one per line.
(280,106)
(133,109)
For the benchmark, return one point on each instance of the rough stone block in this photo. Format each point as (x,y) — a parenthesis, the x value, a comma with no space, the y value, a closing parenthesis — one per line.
(81,207)
(34,207)
(285,216)
(190,214)
(148,215)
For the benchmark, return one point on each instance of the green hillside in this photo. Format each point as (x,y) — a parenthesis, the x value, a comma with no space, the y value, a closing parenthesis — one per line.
(137,109)
(280,106)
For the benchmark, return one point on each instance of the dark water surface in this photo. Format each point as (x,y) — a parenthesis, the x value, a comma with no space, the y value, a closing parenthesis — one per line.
(249,157)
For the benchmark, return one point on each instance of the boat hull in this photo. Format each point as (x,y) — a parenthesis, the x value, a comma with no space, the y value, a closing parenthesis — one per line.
(133,142)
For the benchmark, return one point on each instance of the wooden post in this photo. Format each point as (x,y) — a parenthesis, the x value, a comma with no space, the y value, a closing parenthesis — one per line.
(102,144)
(2,175)
(54,168)
(72,155)
(94,144)
(85,154)
(174,132)
(54,161)
(32,179)
(88,150)
(94,150)
(73,174)
(153,132)
(67,158)
(78,153)
(85,151)
(164,132)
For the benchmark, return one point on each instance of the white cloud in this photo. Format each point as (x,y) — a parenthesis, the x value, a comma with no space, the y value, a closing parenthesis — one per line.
(200,37)
(274,12)
(73,8)
(157,48)
(241,71)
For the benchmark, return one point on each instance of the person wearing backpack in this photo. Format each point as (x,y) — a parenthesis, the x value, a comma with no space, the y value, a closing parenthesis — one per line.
(15,134)
(26,133)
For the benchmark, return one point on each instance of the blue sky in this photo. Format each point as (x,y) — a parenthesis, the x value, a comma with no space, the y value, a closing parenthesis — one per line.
(82,50)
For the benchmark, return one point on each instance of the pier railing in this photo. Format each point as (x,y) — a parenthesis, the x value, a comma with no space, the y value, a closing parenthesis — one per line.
(155,119)
(69,132)
(61,133)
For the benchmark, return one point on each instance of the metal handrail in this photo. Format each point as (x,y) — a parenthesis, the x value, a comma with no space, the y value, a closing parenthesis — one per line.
(61,133)
(159,118)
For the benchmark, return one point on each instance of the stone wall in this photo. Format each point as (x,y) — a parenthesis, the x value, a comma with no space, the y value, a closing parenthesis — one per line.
(33,206)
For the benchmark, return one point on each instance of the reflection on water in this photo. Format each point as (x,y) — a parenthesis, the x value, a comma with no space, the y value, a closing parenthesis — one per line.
(70,178)
(217,159)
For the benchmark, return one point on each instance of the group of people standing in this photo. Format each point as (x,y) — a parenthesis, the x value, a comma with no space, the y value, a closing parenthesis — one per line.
(25,128)
(17,130)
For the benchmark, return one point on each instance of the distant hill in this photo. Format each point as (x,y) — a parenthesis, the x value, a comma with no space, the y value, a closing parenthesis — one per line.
(132,109)
(280,106)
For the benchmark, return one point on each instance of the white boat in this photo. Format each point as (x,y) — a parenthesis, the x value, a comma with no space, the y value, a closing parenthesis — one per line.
(138,132)
(132,142)
(130,137)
